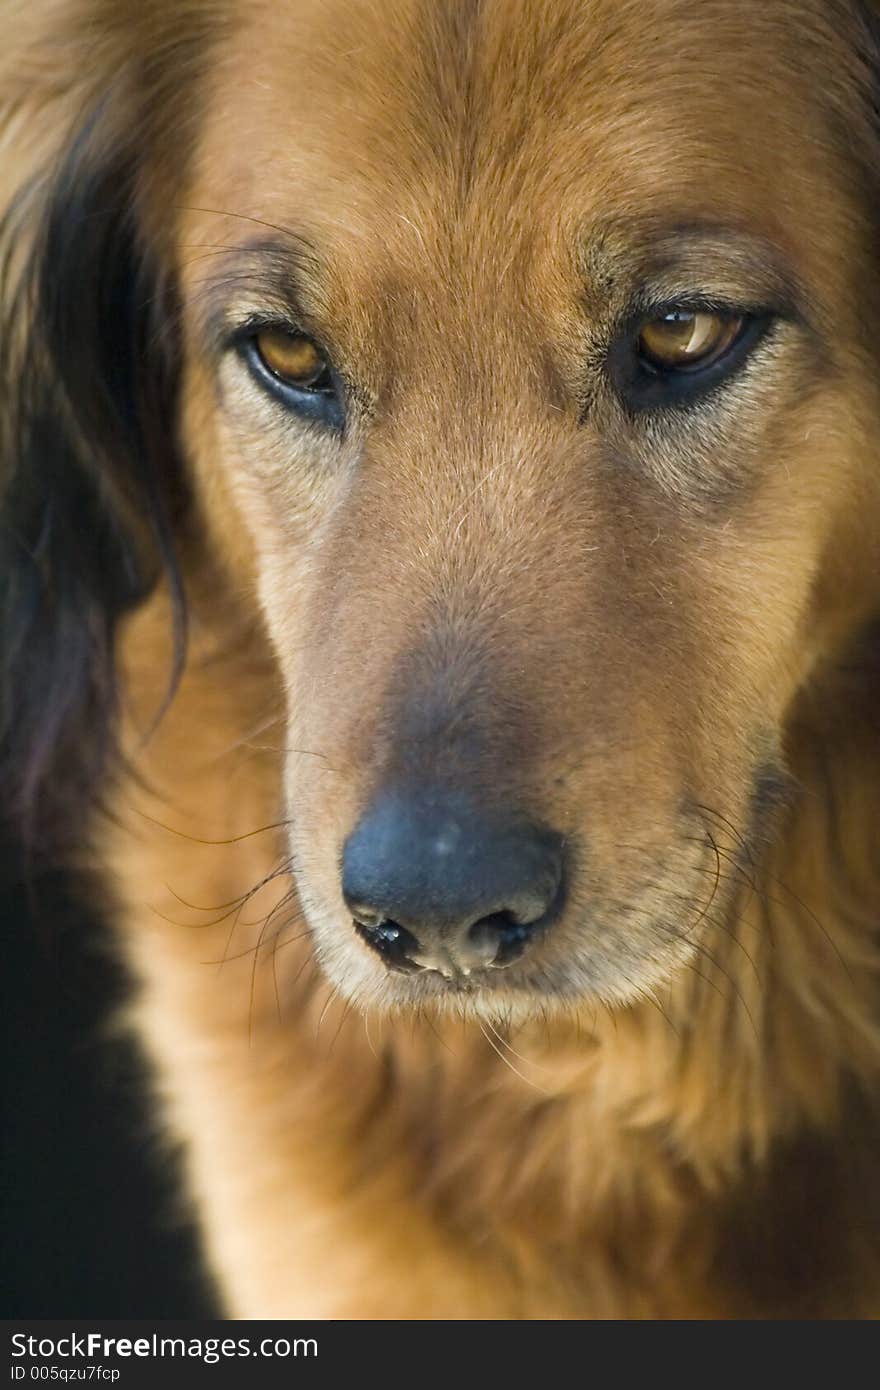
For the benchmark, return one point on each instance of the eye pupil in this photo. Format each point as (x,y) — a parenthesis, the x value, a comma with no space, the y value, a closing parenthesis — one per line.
(293,358)
(683,339)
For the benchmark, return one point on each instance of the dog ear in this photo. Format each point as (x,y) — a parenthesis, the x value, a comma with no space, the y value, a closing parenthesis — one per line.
(88,465)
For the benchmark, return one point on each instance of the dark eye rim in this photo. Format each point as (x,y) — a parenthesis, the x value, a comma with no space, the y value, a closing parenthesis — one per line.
(322,403)
(644,386)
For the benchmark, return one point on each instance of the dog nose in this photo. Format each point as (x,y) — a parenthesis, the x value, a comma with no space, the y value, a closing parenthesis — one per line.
(433,884)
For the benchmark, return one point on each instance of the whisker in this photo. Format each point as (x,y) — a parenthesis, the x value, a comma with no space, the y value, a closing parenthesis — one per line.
(366,1018)
(507,1062)
(345,1012)
(527,1061)
(329,1000)
(198,840)
(766,897)
(194,907)
(240,217)
(252,950)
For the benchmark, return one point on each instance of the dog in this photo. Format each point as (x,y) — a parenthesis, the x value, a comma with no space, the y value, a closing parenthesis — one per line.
(441,570)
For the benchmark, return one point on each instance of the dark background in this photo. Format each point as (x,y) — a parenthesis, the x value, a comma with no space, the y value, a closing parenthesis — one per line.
(91,1222)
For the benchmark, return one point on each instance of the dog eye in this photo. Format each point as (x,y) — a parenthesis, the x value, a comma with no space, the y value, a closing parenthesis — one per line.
(682,352)
(293,358)
(684,340)
(294,370)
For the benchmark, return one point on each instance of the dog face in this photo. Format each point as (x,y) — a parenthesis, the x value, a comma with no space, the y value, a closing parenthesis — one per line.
(527,377)
(535,371)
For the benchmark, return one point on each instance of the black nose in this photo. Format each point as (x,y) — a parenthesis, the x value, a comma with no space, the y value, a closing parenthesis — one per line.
(434,884)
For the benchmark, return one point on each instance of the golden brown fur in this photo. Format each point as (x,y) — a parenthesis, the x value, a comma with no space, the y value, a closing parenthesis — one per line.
(657,634)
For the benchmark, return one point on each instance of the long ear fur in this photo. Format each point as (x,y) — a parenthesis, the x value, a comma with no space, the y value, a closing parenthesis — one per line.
(90,481)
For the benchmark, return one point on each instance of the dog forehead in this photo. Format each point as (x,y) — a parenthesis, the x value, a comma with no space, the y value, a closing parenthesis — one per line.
(432,135)
(487,84)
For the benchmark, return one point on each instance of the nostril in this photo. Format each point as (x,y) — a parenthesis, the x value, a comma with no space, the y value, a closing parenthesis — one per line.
(499,940)
(388,939)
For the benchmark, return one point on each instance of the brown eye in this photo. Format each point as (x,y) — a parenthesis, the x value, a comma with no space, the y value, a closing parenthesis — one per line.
(685,339)
(293,358)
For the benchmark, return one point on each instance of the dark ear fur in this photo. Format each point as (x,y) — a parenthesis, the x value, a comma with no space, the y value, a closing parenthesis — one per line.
(88,469)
